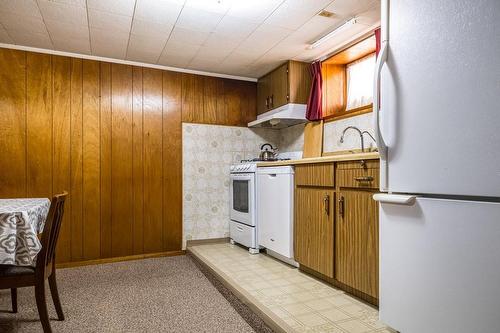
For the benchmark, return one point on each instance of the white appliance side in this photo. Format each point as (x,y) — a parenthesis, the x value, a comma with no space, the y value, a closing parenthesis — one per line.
(275,209)
(440,266)
(440,90)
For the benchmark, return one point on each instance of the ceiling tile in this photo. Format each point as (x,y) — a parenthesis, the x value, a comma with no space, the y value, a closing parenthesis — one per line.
(188,36)
(316,5)
(212,6)
(315,28)
(63,12)
(142,56)
(109,51)
(80,3)
(292,16)
(255,10)
(108,43)
(151,44)
(198,20)
(162,12)
(179,49)
(20,7)
(65,30)
(41,40)
(235,28)
(203,63)
(220,42)
(105,20)
(141,27)
(174,60)
(120,7)
(264,38)
(349,8)
(370,17)
(4,37)
(72,45)
(216,54)
(22,23)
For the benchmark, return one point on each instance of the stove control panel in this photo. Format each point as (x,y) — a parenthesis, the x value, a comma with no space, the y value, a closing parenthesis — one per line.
(243,168)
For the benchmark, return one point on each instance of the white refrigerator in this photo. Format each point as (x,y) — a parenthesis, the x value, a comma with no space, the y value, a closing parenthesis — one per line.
(437,124)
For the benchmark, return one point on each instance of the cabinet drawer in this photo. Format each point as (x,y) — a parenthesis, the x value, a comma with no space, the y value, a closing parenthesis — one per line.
(320,174)
(361,164)
(358,178)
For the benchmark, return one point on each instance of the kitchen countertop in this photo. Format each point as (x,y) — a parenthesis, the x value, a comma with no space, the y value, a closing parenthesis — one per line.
(323,159)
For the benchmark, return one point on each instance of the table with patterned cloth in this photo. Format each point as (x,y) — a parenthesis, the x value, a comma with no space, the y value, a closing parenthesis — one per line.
(21,220)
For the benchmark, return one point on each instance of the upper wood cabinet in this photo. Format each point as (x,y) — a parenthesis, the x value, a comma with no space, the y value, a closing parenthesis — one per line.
(289,83)
(212,100)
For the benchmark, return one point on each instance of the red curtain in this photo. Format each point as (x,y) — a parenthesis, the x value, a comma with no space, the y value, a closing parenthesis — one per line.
(377,41)
(314,103)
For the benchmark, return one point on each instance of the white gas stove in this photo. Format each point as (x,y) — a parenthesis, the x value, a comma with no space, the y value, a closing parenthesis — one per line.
(242,192)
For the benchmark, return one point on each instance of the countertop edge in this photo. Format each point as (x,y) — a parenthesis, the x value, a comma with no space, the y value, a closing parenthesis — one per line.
(323,159)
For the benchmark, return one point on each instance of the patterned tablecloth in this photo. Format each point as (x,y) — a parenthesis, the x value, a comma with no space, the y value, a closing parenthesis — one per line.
(20,222)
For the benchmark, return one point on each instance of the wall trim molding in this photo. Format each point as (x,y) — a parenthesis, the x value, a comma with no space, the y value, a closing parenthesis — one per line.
(124,62)
(194,242)
(119,259)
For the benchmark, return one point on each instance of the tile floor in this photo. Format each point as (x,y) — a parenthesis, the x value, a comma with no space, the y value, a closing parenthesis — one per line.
(303,303)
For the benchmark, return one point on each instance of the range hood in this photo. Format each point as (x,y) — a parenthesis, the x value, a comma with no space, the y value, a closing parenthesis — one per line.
(284,116)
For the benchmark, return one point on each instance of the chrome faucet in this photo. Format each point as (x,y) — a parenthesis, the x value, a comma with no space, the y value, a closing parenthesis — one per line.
(360,136)
(366,132)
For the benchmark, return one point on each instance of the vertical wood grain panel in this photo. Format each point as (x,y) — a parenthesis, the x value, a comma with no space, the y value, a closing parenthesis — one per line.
(233,102)
(105,159)
(76,190)
(91,160)
(13,118)
(138,152)
(121,160)
(172,162)
(112,136)
(39,125)
(210,99)
(249,109)
(61,132)
(153,173)
(192,98)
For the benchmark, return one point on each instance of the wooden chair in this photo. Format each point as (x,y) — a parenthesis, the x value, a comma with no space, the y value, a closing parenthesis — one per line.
(14,277)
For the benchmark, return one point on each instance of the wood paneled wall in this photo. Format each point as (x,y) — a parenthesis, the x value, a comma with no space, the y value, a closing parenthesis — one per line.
(111,135)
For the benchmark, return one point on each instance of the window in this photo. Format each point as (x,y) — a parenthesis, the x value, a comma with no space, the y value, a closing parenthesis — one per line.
(360,82)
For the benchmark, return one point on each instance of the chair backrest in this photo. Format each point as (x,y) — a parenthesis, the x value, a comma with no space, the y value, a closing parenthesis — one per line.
(51,231)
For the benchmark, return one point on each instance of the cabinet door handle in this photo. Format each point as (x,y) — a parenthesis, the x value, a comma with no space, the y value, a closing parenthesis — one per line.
(341,207)
(326,204)
(364,179)
(272,100)
(267,102)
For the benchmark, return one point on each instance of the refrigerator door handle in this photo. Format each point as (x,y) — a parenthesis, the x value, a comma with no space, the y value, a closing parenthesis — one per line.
(398,199)
(381,58)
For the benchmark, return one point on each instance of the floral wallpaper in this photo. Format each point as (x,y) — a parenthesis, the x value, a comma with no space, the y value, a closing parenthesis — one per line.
(208,151)
(333,130)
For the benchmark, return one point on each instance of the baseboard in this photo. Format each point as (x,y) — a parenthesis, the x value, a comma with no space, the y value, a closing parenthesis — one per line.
(194,242)
(118,259)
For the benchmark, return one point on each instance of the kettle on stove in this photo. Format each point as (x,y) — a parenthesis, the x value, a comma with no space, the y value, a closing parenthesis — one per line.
(267,152)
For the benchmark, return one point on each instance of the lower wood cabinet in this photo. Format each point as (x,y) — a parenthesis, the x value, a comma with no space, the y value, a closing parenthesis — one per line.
(336,224)
(314,228)
(356,241)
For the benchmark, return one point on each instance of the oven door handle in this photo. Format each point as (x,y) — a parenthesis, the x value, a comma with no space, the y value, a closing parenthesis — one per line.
(248,176)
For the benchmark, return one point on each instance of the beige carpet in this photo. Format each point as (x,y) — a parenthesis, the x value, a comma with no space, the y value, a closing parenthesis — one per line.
(153,295)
